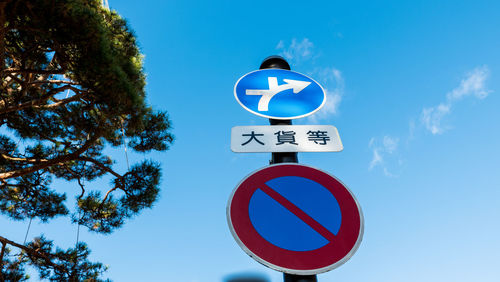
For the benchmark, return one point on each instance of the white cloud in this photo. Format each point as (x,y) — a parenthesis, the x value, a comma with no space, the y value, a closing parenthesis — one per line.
(474,84)
(333,82)
(382,147)
(387,173)
(385,150)
(329,77)
(297,51)
(372,141)
(431,117)
(390,144)
(376,160)
(280,45)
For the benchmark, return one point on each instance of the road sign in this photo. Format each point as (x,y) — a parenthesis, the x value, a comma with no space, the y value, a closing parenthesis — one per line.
(285,138)
(295,219)
(279,94)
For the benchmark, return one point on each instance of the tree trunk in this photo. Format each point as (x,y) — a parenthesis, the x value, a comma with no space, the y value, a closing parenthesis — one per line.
(2,34)
(1,261)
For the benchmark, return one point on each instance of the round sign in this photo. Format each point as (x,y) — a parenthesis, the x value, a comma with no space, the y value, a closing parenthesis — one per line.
(279,94)
(295,219)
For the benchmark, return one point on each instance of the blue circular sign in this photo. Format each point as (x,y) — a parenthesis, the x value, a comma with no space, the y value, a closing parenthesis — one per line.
(279,94)
(295,219)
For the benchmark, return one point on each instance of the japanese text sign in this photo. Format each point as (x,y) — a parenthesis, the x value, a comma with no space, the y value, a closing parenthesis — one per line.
(285,138)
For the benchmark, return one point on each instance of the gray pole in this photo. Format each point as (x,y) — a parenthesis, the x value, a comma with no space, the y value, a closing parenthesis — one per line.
(277,62)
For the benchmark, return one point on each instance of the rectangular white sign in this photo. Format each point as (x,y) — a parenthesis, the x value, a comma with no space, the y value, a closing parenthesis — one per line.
(285,138)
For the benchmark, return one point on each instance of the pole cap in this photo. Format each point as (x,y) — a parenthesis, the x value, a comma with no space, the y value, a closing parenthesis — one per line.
(275,62)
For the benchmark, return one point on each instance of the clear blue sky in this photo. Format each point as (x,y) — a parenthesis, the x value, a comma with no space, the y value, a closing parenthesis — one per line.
(413,88)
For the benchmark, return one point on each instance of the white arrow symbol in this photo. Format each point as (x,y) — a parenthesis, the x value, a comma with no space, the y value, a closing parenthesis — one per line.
(274,89)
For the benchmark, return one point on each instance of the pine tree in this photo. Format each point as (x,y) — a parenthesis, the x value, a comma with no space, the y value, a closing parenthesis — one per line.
(72,84)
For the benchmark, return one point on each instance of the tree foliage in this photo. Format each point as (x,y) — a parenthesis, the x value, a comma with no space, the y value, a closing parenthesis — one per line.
(72,85)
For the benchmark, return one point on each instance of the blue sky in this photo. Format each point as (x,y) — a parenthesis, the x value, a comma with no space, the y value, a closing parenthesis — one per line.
(413,89)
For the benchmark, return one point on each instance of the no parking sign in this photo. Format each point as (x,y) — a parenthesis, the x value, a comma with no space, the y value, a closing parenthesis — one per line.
(295,219)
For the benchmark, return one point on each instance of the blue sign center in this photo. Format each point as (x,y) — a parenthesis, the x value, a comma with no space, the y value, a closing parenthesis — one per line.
(286,218)
(280,94)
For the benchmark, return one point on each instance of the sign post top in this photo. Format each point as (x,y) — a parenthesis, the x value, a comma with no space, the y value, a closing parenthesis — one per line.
(275,62)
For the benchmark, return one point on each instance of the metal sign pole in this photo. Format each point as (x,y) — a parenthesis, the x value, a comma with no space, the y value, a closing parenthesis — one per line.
(277,62)
(299,278)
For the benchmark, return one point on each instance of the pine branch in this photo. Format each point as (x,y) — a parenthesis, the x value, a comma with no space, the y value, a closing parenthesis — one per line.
(7,81)
(27,71)
(55,81)
(10,79)
(58,160)
(62,102)
(33,253)
(50,66)
(107,195)
(78,178)
(42,100)
(24,160)
(100,165)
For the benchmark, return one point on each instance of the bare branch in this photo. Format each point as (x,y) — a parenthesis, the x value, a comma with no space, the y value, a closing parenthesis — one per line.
(7,81)
(78,178)
(17,79)
(81,186)
(24,160)
(54,81)
(100,165)
(61,102)
(107,194)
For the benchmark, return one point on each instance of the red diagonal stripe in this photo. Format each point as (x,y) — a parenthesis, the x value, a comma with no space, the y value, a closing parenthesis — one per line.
(298,212)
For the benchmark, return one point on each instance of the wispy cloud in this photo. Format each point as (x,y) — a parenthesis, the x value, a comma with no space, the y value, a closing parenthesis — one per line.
(297,51)
(390,144)
(300,52)
(385,150)
(376,160)
(381,148)
(431,117)
(474,84)
(333,82)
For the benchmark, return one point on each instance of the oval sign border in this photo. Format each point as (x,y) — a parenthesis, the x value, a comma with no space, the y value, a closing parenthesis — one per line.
(274,117)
